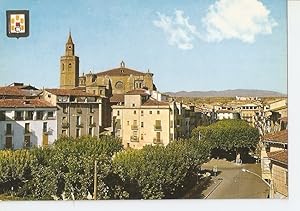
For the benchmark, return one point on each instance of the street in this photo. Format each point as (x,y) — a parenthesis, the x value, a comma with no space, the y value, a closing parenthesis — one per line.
(232,183)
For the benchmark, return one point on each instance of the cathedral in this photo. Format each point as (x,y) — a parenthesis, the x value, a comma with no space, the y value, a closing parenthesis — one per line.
(116,81)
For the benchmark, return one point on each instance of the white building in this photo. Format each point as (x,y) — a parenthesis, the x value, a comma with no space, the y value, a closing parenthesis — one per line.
(26,123)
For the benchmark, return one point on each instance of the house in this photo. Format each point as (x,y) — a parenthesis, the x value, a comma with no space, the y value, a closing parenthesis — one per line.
(19,91)
(78,113)
(279,172)
(274,147)
(26,122)
(227,114)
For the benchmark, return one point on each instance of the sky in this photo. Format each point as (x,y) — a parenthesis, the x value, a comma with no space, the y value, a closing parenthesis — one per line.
(190,45)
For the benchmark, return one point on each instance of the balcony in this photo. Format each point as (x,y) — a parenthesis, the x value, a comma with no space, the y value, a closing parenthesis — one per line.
(92,124)
(134,139)
(79,125)
(65,124)
(157,127)
(134,127)
(9,132)
(27,132)
(157,141)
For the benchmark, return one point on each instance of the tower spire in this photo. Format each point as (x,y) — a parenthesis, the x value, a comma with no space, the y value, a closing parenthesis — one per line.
(70,37)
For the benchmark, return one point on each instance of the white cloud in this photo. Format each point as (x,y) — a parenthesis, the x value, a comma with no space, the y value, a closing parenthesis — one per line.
(178,30)
(237,19)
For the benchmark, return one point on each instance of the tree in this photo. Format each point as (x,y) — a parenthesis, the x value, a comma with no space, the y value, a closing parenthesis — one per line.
(229,135)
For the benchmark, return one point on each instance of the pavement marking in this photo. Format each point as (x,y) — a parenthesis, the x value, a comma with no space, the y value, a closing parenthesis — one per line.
(214,188)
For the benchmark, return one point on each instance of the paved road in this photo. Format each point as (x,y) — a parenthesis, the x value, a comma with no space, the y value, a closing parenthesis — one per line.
(237,184)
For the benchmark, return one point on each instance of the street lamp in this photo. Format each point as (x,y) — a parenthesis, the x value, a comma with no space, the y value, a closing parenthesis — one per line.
(268,184)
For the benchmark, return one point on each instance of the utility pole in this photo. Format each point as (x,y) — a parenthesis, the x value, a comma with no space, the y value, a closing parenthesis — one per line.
(95,181)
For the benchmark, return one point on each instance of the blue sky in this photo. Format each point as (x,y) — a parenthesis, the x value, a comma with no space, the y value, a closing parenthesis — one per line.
(188,45)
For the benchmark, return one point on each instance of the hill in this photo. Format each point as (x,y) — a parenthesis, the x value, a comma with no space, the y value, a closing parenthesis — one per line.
(228,93)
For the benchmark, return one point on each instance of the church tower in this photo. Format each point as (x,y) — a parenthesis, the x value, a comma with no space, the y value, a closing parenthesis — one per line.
(69,67)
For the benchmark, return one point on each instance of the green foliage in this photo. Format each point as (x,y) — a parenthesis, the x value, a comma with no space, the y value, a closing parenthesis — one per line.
(66,168)
(156,172)
(228,135)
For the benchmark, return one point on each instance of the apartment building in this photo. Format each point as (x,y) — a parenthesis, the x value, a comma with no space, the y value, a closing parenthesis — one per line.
(26,122)
(78,113)
(141,120)
(249,111)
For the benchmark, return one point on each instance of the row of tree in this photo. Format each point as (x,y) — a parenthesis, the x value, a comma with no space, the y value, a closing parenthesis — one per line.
(66,169)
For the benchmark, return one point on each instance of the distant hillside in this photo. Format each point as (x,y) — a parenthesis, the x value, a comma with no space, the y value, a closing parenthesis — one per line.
(227,93)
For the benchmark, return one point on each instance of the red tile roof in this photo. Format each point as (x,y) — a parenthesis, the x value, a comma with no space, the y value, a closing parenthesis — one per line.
(280,156)
(19,91)
(117,98)
(121,71)
(142,92)
(153,102)
(280,136)
(71,92)
(25,103)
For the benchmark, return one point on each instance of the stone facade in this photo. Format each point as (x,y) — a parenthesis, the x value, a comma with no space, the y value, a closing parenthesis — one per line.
(119,80)
(69,67)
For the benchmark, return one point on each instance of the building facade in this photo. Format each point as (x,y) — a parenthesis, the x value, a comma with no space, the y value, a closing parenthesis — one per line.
(142,120)
(78,113)
(26,123)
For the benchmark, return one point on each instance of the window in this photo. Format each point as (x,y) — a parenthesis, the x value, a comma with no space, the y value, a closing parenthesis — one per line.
(101,92)
(134,112)
(29,115)
(142,124)
(18,115)
(8,129)
(158,112)
(133,105)
(127,122)
(8,142)
(64,132)
(50,114)
(142,113)
(118,113)
(142,136)
(150,112)
(70,65)
(171,124)
(64,119)
(39,115)
(91,108)
(77,132)
(77,120)
(45,127)
(91,120)
(26,141)
(2,115)
(134,122)
(65,109)
(90,131)
(27,130)
(94,92)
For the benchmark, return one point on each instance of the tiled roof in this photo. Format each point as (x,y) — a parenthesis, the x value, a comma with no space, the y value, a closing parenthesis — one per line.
(22,103)
(153,102)
(141,92)
(116,98)
(280,136)
(18,91)
(121,71)
(280,156)
(71,92)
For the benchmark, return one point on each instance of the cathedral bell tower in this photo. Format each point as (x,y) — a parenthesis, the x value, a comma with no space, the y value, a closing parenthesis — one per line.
(69,67)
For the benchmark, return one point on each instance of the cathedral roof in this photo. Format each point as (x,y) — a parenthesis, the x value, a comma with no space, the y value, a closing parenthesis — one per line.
(121,71)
